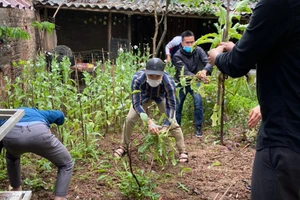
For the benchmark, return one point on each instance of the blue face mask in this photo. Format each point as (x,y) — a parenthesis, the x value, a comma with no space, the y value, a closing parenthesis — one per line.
(187,49)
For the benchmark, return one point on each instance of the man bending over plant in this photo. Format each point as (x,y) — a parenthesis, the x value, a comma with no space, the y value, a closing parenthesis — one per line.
(149,85)
(32,134)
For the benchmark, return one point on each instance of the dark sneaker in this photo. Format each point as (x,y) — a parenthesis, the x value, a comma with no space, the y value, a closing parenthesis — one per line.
(199,132)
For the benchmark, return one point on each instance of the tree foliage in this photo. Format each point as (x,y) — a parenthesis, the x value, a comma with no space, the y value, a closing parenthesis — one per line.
(12,33)
(48,26)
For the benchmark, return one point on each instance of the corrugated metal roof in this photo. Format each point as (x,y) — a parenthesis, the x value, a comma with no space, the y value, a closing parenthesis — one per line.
(21,4)
(121,5)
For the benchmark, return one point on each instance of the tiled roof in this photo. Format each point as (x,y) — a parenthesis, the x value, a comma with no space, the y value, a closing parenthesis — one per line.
(21,4)
(123,5)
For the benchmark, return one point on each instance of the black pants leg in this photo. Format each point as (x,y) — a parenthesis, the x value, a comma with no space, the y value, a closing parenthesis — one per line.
(276,174)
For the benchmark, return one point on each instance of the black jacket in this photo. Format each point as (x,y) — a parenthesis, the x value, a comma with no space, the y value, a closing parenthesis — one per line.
(191,62)
(272,41)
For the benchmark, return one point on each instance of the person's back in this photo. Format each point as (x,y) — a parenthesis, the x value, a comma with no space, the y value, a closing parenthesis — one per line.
(282,63)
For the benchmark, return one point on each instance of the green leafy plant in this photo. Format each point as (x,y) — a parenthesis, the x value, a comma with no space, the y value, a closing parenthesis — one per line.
(44,165)
(141,190)
(184,170)
(160,146)
(235,30)
(35,182)
(202,6)
(183,187)
(3,172)
(12,33)
(48,26)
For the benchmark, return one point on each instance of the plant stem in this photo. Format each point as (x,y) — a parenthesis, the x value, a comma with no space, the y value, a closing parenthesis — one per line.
(130,166)
(221,84)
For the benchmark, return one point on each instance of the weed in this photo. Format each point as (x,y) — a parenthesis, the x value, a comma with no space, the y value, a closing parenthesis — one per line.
(132,190)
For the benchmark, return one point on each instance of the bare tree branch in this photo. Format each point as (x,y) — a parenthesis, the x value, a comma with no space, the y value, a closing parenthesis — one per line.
(165,26)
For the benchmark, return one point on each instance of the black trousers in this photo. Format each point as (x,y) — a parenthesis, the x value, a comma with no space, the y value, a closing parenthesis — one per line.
(276,174)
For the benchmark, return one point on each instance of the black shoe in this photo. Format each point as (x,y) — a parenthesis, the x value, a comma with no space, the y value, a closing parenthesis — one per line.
(199,132)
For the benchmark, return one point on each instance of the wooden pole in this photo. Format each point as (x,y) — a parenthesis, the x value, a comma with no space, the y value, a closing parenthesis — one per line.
(109,34)
(58,8)
(222,77)
(129,32)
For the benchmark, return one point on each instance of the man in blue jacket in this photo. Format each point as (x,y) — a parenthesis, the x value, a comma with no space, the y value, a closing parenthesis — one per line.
(194,63)
(272,42)
(32,134)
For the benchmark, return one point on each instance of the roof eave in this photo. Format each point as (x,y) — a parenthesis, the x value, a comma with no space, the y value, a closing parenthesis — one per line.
(127,11)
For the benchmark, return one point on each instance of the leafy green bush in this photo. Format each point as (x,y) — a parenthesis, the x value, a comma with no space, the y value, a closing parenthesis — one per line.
(161,148)
(12,33)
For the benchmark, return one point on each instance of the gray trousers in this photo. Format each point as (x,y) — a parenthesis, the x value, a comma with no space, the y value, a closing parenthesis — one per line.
(38,139)
(132,117)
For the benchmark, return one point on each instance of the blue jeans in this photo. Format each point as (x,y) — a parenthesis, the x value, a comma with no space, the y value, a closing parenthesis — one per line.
(198,108)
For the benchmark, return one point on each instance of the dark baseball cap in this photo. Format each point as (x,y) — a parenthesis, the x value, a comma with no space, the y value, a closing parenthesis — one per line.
(155,66)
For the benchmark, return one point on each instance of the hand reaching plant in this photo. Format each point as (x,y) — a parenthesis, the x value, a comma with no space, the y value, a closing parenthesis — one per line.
(153,128)
(201,75)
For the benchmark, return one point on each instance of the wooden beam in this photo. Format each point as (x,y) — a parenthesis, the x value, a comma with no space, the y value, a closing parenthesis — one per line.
(181,15)
(15,116)
(109,33)
(129,31)
(7,111)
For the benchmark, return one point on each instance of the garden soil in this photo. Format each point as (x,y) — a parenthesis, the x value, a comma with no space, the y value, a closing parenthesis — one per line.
(214,172)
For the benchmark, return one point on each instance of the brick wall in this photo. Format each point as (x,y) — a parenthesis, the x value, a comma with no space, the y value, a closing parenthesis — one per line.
(16,50)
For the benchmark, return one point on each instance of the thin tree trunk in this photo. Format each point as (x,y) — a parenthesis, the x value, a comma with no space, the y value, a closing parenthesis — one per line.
(222,77)
(156,30)
(157,23)
(165,15)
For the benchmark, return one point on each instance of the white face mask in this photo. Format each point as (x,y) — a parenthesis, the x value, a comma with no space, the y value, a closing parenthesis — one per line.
(154,83)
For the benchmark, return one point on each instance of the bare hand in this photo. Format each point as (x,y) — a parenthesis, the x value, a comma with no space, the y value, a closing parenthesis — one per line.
(254,117)
(153,128)
(202,76)
(228,46)
(212,54)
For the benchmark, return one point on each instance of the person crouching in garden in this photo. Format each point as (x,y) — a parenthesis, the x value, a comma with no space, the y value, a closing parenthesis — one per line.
(32,134)
(154,85)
